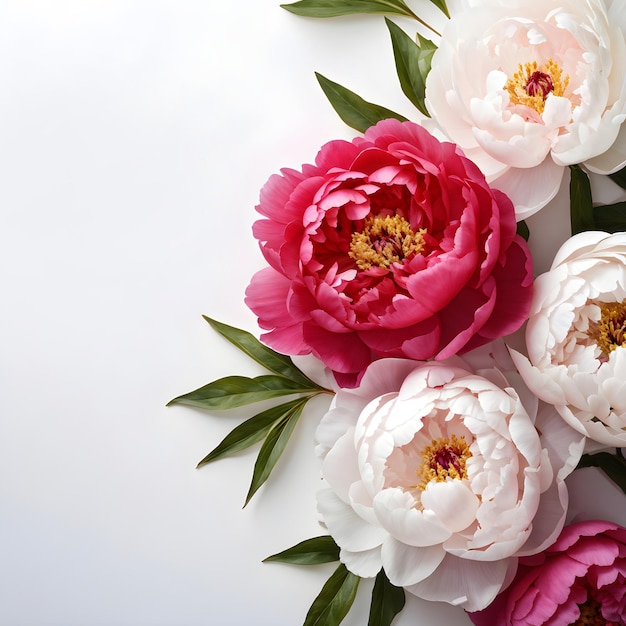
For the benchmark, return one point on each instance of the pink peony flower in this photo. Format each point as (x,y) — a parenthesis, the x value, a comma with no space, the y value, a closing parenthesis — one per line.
(545,89)
(392,245)
(443,474)
(581,579)
(575,336)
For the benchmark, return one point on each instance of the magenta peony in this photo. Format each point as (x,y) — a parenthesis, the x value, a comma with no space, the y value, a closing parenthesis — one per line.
(392,245)
(581,579)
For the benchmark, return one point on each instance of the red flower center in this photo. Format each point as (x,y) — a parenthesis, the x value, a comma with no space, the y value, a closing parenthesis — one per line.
(445,458)
(531,85)
(539,84)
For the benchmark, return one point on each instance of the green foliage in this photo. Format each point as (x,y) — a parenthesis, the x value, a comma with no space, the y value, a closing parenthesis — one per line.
(441,5)
(412,64)
(334,600)
(250,432)
(581,205)
(619,178)
(335,8)
(352,109)
(387,601)
(273,361)
(273,447)
(309,552)
(273,426)
(613,465)
(610,218)
(235,391)
(522,230)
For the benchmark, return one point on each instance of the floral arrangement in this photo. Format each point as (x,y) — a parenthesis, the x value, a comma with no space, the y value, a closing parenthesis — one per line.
(465,390)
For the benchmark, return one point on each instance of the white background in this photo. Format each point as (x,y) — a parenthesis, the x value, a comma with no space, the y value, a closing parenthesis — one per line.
(135,136)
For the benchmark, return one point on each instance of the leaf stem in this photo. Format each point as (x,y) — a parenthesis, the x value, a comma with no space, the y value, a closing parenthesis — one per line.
(426,24)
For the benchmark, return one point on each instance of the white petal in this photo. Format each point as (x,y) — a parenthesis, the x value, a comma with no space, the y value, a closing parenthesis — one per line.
(530,189)
(365,564)
(346,527)
(548,521)
(453,502)
(461,582)
(396,513)
(545,388)
(407,565)
(340,468)
(614,159)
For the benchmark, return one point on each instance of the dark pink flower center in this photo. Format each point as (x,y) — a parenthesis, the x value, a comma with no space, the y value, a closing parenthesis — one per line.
(444,459)
(385,240)
(531,85)
(539,84)
(591,615)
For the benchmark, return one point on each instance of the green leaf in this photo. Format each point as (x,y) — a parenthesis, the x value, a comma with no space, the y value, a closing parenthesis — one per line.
(309,552)
(334,600)
(613,466)
(249,432)
(387,601)
(522,230)
(619,178)
(412,64)
(352,109)
(610,218)
(234,391)
(268,358)
(441,5)
(581,204)
(274,446)
(334,8)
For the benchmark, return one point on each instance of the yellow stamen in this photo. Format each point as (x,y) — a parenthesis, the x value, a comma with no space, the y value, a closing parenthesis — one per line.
(591,615)
(444,458)
(532,83)
(609,332)
(385,240)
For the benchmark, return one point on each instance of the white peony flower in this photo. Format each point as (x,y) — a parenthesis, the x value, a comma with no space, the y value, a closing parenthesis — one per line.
(576,336)
(443,477)
(527,87)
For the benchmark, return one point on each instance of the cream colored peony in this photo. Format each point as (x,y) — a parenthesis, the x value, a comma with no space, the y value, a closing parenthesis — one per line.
(576,336)
(527,87)
(442,474)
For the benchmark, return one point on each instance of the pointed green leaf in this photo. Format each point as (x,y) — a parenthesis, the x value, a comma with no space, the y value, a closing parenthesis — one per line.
(334,600)
(234,391)
(610,218)
(412,64)
(387,601)
(249,432)
(441,5)
(309,552)
(522,230)
(352,109)
(268,358)
(334,8)
(612,465)
(273,447)
(619,178)
(581,204)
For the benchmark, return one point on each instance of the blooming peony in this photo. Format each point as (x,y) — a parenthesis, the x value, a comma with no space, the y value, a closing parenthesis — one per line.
(581,579)
(544,88)
(576,336)
(443,477)
(391,245)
